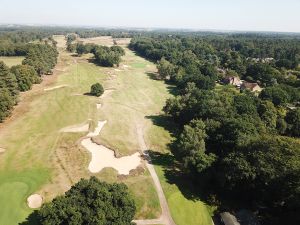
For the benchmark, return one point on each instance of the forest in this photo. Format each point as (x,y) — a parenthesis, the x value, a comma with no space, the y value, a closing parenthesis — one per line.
(240,146)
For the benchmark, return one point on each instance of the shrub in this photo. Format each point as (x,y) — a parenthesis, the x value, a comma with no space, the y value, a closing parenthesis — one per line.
(97,89)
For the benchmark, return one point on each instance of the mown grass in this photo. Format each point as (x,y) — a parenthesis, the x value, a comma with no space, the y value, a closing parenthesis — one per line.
(12,60)
(41,159)
(185,209)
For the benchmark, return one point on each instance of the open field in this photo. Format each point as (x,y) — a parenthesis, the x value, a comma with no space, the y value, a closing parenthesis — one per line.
(12,60)
(39,158)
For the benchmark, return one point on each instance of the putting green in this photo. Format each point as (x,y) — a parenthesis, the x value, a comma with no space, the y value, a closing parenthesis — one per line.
(15,187)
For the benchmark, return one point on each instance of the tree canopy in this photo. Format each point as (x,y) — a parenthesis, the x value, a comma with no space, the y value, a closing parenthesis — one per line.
(90,202)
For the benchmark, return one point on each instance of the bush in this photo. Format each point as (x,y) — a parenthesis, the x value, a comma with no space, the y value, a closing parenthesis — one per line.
(97,89)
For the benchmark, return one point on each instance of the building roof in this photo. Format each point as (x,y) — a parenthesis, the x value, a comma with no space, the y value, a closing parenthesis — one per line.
(249,85)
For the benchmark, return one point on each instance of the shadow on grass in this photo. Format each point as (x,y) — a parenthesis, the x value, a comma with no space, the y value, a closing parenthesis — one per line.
(153,76)
(32,219)
(165,122)
(192,187)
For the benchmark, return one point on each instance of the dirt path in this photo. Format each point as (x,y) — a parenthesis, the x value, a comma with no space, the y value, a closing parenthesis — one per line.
(165,217)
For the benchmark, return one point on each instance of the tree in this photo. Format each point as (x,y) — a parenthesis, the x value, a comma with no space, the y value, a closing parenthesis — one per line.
(26,76)
(97,89)
(118,50)
(80,49)
(106,56)
(6,103)
(8,80)
(268,114)
(90,202)
(191,147)
(275,94)
(268,170)
(293,120)
(165,69)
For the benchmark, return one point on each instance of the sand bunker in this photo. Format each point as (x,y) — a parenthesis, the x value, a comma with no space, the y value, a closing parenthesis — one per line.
(76,128)
(97,129)
(98,106)
(56,87)
(34,201)
(106,92)
(2,150)
(103,157)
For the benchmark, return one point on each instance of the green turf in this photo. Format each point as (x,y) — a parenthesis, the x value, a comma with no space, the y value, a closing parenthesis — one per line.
(12,60)
(38,155)
(35,148)
(14,187)
(184,210)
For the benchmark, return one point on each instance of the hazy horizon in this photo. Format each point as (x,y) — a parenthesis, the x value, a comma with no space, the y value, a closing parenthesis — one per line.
(215,15)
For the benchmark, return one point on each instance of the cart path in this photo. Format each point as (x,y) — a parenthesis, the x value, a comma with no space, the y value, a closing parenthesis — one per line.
(165,217)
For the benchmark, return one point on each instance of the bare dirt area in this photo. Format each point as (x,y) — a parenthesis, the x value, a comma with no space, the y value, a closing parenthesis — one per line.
(76,128)
(55,87)
(106,40)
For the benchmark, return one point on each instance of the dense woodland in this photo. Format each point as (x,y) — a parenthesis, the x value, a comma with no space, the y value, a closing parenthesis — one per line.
(243,146)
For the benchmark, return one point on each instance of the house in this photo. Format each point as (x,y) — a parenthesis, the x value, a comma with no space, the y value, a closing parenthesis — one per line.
(253,87)
(232,80)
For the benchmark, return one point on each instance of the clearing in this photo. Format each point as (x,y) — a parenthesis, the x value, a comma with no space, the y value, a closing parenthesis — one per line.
(12,60)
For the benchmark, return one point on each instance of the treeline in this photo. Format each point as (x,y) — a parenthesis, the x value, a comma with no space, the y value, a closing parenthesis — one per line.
(238,146)
(232,52)
(40,59)
(104,56)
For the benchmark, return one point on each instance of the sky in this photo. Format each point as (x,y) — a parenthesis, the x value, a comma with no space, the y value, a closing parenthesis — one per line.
(232,15)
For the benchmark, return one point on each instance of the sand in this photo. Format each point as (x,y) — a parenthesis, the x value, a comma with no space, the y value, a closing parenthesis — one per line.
(76,128)
(98,106)
(118,70)
(56,87)
(97,130)
(103,157)
(34,201)
(2,150)
(106,93)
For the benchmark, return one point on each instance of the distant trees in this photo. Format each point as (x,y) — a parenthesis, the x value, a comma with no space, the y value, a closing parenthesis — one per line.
(97,89)
(42,57)
(104,56)
(90,202)
(108,57)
